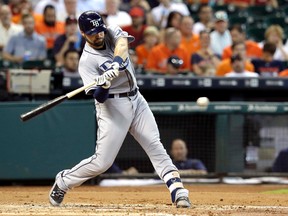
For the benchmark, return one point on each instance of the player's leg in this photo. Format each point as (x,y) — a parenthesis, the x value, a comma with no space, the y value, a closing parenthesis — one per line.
(113,126)
(145,131)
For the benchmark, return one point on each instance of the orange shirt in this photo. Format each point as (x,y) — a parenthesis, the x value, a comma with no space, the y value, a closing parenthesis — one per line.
(226,67)
(16,18)
(283,73)
(142,54)
(158,56)
(50,32)
(191,45)
(252,50)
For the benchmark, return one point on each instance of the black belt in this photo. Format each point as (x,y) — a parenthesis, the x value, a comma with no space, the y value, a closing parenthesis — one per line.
(126,94)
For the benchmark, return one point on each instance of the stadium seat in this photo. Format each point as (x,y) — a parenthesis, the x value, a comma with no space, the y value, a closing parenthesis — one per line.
(7,64)
(255,21)
(257,11)
(236,19)
(273,20)
(38,64)
(229,8)
(256,34)
(193,9)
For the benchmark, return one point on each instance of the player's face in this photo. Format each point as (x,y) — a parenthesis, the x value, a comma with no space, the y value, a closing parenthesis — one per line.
(96,40)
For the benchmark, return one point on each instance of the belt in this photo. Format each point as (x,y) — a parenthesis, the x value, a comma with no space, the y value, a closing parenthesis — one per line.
(126,94)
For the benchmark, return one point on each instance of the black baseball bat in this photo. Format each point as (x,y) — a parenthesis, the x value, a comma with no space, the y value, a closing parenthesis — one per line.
(48,105)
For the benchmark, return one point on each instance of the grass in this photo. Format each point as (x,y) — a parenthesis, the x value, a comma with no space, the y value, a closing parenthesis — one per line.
(279,191)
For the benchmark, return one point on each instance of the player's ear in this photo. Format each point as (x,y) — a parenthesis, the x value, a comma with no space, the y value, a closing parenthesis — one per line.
(82,33)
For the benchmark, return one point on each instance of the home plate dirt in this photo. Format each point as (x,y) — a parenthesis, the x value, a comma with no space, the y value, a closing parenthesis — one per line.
(210,200)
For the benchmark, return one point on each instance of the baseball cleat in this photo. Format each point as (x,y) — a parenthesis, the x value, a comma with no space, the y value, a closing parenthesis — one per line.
(183,202)
(56,195)
(182,199)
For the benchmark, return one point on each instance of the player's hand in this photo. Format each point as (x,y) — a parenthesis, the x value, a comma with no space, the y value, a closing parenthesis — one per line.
(112,72)
(103,82)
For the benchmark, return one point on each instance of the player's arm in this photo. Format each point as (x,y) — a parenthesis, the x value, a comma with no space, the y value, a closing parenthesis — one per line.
(121,48)
(120,52)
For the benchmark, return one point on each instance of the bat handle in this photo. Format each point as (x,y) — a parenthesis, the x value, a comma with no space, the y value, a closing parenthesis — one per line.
(77,91)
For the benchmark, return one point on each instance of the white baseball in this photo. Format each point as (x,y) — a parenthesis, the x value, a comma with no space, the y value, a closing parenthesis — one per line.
(202,101)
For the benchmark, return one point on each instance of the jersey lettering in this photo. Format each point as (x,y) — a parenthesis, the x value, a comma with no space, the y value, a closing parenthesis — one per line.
(104,67)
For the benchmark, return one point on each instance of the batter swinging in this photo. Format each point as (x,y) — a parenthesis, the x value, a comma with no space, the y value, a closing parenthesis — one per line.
(120,108)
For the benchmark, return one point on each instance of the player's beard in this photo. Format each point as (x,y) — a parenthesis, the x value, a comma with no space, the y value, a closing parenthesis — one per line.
(97,43)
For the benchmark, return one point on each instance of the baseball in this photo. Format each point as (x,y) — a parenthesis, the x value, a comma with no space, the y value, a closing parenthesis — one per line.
(202,101)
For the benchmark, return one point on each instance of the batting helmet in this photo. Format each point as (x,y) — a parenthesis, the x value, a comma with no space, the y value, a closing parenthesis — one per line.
(91,22)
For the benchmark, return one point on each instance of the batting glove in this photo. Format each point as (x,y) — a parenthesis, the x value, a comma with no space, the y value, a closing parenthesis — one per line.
(112,72)
(103,82)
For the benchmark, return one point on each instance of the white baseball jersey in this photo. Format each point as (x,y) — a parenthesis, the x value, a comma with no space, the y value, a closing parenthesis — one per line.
(95,62)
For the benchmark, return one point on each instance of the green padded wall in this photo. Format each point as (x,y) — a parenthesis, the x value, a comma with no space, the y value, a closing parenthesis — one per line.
(46,144)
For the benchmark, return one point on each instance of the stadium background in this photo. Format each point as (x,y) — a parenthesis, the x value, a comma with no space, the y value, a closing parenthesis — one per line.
(241,117)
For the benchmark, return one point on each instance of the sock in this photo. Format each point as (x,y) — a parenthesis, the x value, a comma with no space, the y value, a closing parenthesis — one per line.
(173,183)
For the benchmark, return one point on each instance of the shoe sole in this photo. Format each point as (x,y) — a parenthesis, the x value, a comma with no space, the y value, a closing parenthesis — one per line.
(183,204)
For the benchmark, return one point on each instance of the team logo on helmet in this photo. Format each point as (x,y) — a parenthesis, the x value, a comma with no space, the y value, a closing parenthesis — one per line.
(95,22)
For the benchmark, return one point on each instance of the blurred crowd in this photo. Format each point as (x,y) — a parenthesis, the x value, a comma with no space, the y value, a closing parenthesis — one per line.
(229,38)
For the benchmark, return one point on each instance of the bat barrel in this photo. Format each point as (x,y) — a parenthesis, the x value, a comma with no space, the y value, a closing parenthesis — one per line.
(42,108)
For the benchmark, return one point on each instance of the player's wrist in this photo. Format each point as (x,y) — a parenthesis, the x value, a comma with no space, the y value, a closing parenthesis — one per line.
(118,59)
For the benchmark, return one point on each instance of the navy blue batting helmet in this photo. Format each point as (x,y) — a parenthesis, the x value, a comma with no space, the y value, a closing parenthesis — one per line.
(91,22)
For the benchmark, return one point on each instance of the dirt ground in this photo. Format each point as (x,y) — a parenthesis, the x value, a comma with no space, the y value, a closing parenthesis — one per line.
(210,200)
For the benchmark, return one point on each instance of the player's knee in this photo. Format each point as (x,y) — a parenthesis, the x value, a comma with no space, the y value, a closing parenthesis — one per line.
(105,165)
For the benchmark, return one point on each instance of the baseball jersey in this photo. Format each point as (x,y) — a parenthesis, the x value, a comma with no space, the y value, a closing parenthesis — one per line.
(94,62)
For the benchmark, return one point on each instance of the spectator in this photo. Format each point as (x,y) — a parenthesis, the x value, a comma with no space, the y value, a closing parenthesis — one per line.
(151,39)
(157,59)
(174,64)
(96,5)
(134,61)
(70,10)
(253,50)
(225,65)
(7,27)
(238,65)
(160,13)
(275,34)
(145,5)
(71,39)
(70,65)
(138,26)
(116,16)
(19,8)
(57,4)
(26,45)
(173,20)
(267,66)
(283,73)
(116,169)
(179,153)
(189,41)
(204,61)
(49,27)
(220,37)
(281,162)
(205,15)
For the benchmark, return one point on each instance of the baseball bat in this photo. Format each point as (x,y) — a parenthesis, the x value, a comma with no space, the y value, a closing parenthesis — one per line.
(48,105)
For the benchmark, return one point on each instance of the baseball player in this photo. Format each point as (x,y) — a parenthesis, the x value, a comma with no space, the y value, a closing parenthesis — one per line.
(120,108)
